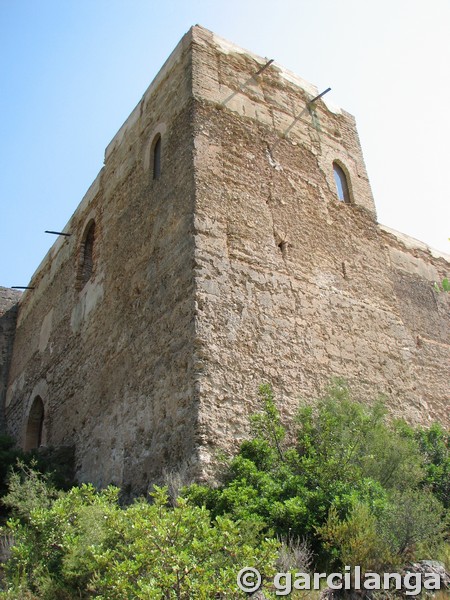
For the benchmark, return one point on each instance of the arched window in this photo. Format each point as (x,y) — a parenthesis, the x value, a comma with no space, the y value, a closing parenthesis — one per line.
(86,265)
(35,425)
(341,183)
(156,157)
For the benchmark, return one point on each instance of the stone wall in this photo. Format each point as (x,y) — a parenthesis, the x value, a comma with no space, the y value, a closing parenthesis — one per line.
(238,265)
(8,315)
(294,286)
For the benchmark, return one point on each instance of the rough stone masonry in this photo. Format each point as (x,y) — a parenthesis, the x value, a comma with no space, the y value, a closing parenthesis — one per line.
(212,253)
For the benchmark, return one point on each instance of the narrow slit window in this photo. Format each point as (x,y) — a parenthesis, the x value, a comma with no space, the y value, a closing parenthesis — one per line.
(157,158)
(86,266)
(341,183)
(35,425)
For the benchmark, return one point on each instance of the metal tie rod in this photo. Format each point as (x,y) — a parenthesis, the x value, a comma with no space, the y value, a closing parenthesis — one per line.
(58,233)
(319,96)
(246,83)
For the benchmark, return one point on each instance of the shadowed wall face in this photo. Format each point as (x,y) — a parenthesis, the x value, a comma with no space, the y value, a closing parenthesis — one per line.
(8,316)
(103,356)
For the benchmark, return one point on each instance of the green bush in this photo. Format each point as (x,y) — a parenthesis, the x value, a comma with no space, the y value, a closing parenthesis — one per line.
(413,524)
(355,540)
(82,544)
(57,463)
(410,527)
(434,445)
(342,459)
(8,458)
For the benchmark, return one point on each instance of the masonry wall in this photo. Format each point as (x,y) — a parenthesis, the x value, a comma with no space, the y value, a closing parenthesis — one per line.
(113,362)
(8,315)
(294,286)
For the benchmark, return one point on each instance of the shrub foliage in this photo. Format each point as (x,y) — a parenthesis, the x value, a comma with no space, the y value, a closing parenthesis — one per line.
(343,477)
(342,487)
(82,544)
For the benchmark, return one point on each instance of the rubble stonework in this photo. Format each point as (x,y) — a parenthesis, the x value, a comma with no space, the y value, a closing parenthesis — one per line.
(8,315)
(237,265)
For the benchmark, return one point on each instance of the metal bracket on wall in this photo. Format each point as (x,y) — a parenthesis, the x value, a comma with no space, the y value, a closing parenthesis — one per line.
(58,233)
(298,117)
(319,96)
(247,83)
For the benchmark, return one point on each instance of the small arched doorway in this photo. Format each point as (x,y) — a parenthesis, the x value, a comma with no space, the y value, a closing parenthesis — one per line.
(35,425)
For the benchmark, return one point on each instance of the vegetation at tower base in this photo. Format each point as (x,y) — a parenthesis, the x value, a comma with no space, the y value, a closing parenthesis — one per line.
(58,463)
(83,544)
(361,491)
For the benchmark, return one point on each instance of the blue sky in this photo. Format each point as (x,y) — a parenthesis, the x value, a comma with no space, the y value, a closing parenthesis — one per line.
(72,71)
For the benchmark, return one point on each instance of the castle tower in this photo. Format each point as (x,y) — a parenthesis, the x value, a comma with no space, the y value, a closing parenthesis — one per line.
(230,239)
